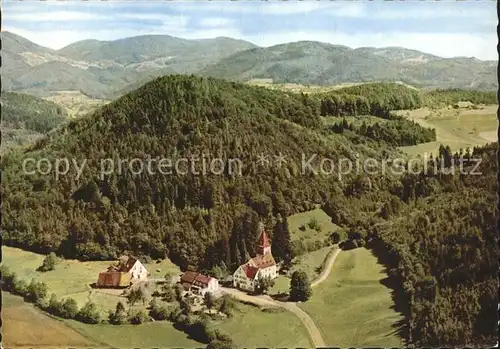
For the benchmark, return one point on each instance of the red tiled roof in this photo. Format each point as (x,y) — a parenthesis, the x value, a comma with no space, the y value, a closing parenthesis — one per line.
(113,279)
(195,278)
(262,261)
(264,240)
(249,271)
(126,264)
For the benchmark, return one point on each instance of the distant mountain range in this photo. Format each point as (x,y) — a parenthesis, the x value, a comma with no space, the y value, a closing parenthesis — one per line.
(105,69)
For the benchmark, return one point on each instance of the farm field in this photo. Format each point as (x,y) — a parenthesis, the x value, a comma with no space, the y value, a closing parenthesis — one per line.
(76,103)
(25,326)
(72,278)
(352,307)
(458,128)
(251,327)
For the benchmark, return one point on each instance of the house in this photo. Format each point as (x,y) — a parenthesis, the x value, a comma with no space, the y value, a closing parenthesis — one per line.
(126,271)
(198,283)
(262,265)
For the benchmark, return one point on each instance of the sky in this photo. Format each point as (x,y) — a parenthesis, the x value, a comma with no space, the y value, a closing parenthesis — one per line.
(444,28)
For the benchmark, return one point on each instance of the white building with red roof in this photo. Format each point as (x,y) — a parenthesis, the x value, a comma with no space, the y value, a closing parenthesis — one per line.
(262,265)
(198,283)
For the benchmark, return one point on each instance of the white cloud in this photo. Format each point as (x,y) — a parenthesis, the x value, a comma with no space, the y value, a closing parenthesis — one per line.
(277,7)
(165,19)
(56,16)
(216,22)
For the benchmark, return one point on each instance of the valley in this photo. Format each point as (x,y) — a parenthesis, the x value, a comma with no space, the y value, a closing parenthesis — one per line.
(288,258)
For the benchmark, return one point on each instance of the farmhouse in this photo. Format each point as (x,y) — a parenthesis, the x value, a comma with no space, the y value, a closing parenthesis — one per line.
(199,283)
(262,265)
(126,271)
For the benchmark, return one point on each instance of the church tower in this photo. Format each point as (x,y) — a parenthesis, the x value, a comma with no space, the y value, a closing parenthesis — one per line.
(264,246)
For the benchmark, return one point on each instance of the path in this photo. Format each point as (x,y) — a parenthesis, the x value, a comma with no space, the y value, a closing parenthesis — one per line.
(328,268)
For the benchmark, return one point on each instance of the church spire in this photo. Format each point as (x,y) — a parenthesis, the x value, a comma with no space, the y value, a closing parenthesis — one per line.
(264,246)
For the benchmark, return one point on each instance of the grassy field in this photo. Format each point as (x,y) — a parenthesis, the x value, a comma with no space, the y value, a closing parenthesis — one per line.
(352,307)
(76,103)
(147,335)
(296,221)
(251,327)
(458,128)
(26,326)
(311,261)
(73,278)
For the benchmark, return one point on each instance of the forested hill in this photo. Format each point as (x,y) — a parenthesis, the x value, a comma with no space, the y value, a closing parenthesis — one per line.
(20,110)
(183,216)
(317,63)
(417,223)
(26,118)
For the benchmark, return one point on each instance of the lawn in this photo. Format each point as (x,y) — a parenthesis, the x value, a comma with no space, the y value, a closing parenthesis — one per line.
(296,221)
(251,327)
(26,326)
(73,278)
(352,308)
(458,128)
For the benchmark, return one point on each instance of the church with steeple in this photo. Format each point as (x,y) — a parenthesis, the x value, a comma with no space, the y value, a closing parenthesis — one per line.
(262,265)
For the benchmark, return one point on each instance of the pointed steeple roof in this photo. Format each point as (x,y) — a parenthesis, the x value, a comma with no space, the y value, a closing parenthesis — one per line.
(264,240)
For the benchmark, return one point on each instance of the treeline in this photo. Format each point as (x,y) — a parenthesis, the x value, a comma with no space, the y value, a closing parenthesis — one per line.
(451,96)
(397,133)
(377,99)
(22,111)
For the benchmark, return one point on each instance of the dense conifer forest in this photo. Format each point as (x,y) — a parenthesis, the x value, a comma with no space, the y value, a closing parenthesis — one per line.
(434,231)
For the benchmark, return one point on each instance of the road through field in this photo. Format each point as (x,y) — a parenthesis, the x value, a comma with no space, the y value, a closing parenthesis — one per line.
(328,268)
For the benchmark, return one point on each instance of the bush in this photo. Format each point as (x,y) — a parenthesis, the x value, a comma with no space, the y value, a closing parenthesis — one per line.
(138,317)
(36,291)
(119,316)
(49,262)
(89,314)
(314,224)
(348,245)
(69,308)
(159,312)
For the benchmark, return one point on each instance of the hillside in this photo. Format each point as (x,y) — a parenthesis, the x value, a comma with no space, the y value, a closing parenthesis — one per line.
(175,117)
(317,63)
(26,118)
(106,69)
(98,68)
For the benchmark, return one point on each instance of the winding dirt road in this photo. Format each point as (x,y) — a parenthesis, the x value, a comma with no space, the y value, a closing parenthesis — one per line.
(328,268)
(264,300)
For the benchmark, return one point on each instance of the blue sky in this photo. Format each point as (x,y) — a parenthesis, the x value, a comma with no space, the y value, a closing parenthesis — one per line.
(445,28)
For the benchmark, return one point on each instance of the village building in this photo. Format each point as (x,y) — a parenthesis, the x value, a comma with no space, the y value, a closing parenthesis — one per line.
(123,274)
(198,283)
(260,266)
